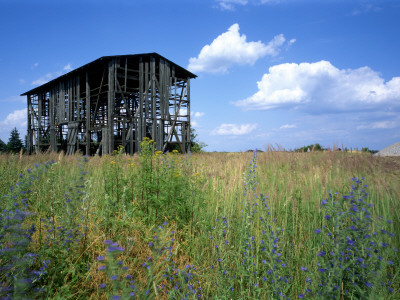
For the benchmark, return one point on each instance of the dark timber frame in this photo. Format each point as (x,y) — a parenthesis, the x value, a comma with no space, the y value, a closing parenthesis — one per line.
(112,101)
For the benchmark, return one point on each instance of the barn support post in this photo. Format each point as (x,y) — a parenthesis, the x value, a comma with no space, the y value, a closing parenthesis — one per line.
(29,145)
(110,107)
(188,115)
(39,127)
(139,113)
(52,120)
(87,114)
(153,99)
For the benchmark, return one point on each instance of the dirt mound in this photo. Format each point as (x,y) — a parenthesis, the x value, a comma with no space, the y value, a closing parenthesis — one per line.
(392,150)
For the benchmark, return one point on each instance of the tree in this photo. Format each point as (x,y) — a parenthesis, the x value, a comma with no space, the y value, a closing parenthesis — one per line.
(195,145)
(14,143)
(3,146)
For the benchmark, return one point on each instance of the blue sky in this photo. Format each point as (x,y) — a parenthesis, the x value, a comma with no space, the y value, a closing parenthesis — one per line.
(278,72)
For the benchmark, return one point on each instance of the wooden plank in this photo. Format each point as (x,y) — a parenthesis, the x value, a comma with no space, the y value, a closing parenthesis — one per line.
(29,129)
(61,103)
(104,140)
(146,91)
(188,114)
(52,101)
(110,104)
(131,138)
(69,116)
(161,88)
(94,116)
(78,101)
(40,113)
(126,73)
(139,113)
(87,114)
(153,99)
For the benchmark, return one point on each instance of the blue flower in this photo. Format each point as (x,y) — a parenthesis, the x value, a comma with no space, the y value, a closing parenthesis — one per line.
(368,284)
(317,231)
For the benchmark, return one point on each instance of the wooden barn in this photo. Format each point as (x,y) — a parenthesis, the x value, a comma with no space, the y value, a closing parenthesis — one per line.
(112,101)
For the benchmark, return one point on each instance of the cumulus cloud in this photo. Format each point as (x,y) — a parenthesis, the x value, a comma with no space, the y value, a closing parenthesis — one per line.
(288,126)
(379,125)
(233,129)
(231,48)
(195,118)
(16,119)
(366,8)
(198,114)
(320,87)
(230,4)
(51,75)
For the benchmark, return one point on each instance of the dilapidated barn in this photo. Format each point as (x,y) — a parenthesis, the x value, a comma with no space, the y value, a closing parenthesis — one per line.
(112,101)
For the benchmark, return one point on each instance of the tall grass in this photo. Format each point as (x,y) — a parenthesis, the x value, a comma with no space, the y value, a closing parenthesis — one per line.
(210,225)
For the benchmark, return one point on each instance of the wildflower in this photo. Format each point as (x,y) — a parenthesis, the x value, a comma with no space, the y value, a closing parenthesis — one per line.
(304,269)
(301,296)
(102,285)
(368,284)
(317,231)
(100,258)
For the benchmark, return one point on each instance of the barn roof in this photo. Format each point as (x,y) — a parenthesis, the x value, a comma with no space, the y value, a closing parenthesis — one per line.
(179,71)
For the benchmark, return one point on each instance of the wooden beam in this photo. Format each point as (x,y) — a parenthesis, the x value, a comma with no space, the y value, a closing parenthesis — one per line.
(52,106)
(110,105)
(87,114)
(29,129)
(153,99)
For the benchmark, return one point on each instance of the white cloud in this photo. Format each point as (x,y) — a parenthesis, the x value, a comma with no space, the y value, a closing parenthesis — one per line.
(43,79)
(16,118)
(198,114)
(67,68)
(230,4)
(288,126)
(233,129)
(231,48)
(366,8)
(379,125)
(49,76)
(322,88)
(195,116)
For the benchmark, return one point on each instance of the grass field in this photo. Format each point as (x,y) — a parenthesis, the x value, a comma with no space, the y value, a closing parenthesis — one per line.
(267,225)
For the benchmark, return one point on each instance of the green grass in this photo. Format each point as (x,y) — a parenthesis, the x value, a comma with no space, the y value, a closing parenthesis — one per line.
(127,197)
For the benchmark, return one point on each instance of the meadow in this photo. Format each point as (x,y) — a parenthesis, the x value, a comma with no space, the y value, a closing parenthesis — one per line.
(261,225)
